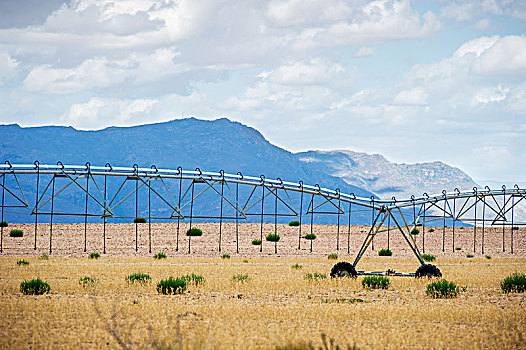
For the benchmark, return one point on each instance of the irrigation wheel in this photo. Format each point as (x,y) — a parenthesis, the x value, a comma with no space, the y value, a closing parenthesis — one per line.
(343,269)
(428,270)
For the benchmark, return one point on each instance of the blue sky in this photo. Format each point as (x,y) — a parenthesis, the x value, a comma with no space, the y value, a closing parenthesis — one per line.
(415,81)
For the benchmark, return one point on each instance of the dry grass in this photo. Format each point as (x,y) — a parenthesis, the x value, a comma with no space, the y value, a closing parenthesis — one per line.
(276,306)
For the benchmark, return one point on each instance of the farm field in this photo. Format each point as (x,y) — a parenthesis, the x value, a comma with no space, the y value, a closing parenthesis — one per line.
(274,306)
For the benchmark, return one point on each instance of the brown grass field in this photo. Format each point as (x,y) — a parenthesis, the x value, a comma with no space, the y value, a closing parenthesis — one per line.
(275,307)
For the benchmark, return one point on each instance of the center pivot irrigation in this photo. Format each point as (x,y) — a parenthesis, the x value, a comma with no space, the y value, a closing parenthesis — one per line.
(30,191)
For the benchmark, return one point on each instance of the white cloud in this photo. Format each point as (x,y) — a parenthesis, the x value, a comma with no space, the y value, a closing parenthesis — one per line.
(468,10)
(8,67)
(365,51)
(314,72)
(507,56)
(414,97)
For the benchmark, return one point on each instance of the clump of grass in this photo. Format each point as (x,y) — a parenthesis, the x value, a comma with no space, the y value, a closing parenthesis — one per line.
(34,287)
(310,236)
(194,232)
(428,257)
(342,300)
(3,224)
(22,262)
(245,260)
(240,278)
(139,220)
(225,256)
(514,283)
(159,256)
(272,237)
(87,281)
(442,289)
(332,256)
(385,252)
(44,257)
(194,279)
(294,223)
(139,277)
(415,231)
(458,248)
(327,345)
(431,230)
(375,282)
(315,276)
(515,228)
(297,266)
(16,233)
(171,286)
(487,256)
(94,255)
(256,241)
(469,256)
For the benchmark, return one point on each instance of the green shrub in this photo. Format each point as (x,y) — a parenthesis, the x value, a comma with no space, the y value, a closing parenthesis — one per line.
(22,262)
(272,237)
(294,223)
(139,220)
(428,257)
(515,228)
(385,252)
(310,236)
(375,282)
(171,286)
(194,279)
(194,232)
(442,289)
(487,256)
(332,256)
(94,255)
(458,248)
(34,287)
(240,278)
(138,277)
(3,224)
(469,256)
(225,256)
(87,281)
(431,230)
(245,260)
(44,257)
(415,231)
(315,276)
(159,256)
(514,283)
(297,266)
(256,241)
(16,233)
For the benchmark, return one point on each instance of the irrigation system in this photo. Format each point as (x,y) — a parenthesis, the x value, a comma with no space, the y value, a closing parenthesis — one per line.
(31,191)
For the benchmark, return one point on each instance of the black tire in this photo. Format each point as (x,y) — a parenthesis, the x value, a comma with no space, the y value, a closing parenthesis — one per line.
(428,270)
(343,269)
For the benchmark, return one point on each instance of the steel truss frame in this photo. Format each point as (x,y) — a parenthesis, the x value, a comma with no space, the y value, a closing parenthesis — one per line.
(407,215)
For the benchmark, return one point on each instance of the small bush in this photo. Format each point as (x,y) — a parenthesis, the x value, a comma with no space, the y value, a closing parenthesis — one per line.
(139,220)
(310,236)
(487,256)
(458,248)
(385,252)
(375,282)
(514,283)
(431,230)
(3,224)
(294,223)
(159,256)
(297,266)
(34,287)
(194,232)
(272,237)
(225,256)
(256,241)
(171,286)
(240,278)
(87,281)
(22,262)
(139,277)
(44,257)
(315,276)
(194,279)
(415,231)
(515,228)
(332,256)
(442,289)
(245,260)
(428,257)
(94,255)
(16,233)
(469,256)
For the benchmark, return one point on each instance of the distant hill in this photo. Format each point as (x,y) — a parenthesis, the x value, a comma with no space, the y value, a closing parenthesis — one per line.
(375,173)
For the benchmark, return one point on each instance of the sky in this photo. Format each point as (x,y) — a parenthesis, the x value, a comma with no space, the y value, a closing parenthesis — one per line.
(415,81)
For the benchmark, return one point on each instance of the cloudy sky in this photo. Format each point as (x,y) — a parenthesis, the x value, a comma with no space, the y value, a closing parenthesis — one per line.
(413,80)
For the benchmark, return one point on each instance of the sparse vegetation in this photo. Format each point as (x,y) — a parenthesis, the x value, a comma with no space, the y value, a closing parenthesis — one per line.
(342,300)
(44,257)
(469,256)
(22,262)
(332,256)
(375,282)
(385,252)
(442,289)
(159,256)
(415,231)
(225,256)
(428,257)
(194,279)
(16,233)
(272,237)
(139,220)
(487,256)
(139,277)
(315,276)
(87,281)
(194,232)
(327,345)
(515,228)
(297,266)
(3,224)
(171,286)
(256,241)
(94,255)
(514,283)
(458,248)
(431,230)
(294,223)
(34,287)
(310,236)
(240,278)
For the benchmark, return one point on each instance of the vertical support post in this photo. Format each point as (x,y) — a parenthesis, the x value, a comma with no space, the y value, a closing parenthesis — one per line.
(191,216)
(349,231)
(179,207)
(475,225)
(136,213)
(262,206)
(483,221)
(221,208)
(388,230)
(36,202)
(424,230)
(512,228)
(149,217)
(86,214)
(51,217)
(276,221)
(105,212)
(2,228)
(503,217)
(454,221)
(301,214)
(311,220)
(444,225)
(338,223)
(372,223)
(237,221)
